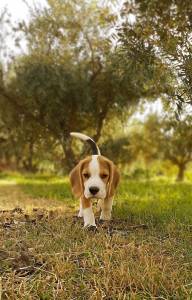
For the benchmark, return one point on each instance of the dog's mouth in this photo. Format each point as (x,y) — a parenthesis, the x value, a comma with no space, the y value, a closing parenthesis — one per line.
(95,197)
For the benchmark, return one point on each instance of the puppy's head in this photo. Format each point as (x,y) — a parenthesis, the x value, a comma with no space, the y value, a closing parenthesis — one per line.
(94,177)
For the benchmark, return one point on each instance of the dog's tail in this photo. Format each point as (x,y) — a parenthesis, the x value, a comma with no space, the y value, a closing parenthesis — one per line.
(90,141)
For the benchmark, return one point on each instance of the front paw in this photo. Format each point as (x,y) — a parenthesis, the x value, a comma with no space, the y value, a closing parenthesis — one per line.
(92,228)
(105,216)
(103,222)
(80,214)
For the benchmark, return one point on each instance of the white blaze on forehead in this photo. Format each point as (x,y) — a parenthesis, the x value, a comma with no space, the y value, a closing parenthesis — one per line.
(94,166)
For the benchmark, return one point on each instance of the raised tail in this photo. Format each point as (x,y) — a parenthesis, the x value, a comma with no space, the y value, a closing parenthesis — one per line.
(90,141)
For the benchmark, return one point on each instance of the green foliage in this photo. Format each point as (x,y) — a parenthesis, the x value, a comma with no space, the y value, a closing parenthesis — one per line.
(75,77)
(4,24)
(118,150)
(70,79)
(55,94)
(160,40)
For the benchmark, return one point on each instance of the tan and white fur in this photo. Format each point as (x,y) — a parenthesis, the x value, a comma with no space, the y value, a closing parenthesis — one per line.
(94,177)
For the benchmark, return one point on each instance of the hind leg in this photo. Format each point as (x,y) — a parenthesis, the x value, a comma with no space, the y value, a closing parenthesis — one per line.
(106,209)
(80,214)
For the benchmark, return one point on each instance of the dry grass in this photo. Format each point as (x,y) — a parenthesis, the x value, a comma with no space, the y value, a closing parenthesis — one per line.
(46,254)
(12,197)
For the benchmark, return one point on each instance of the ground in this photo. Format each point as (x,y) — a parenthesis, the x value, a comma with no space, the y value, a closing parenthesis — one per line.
(145,252)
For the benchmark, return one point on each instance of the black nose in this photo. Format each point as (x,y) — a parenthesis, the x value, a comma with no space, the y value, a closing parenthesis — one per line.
(93,190)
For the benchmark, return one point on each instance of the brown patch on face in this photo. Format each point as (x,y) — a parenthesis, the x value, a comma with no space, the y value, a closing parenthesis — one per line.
(109,174)
(85,172)
(104,169)
(79,175)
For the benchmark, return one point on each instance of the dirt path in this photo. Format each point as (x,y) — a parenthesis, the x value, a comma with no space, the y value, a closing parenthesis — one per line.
(12,196)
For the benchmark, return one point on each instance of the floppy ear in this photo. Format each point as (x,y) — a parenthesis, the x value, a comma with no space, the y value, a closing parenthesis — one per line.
(76,180)
(113,180)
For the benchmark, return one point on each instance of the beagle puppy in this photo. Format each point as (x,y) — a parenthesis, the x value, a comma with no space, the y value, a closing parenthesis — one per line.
(94,177)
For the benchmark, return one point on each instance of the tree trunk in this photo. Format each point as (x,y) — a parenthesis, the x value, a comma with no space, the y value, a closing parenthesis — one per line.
(69,161)
(30,157)
(181,172)
(96,137)
(17,161)
(28,162)
(100,123)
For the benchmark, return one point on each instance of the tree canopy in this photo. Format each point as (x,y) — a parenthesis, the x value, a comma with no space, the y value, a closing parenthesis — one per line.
(87,67)
(160,38)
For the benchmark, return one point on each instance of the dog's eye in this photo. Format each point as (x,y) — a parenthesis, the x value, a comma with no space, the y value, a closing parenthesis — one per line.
(86,175)
(103,176)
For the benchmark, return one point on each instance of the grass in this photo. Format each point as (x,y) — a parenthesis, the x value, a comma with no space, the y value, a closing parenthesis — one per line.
(144,253)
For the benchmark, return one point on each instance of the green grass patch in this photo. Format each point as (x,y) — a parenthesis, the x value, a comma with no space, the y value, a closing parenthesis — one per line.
(50,187)
(49,255)
(154,201)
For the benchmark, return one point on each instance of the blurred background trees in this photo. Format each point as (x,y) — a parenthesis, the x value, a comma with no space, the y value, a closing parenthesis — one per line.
(164,138)
(88,67)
